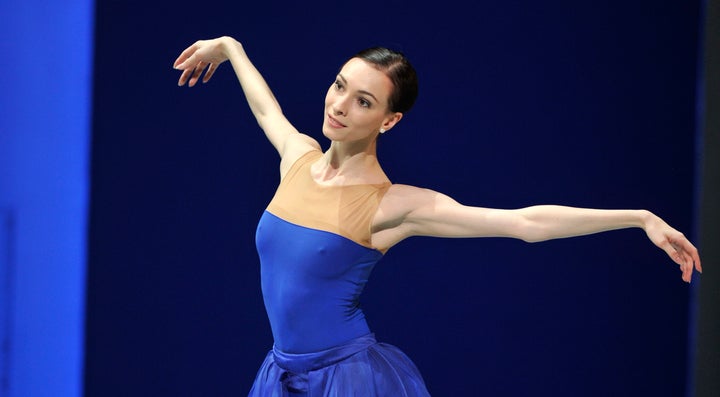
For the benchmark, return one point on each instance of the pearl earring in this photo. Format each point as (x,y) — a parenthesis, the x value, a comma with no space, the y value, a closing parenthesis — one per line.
(382,130)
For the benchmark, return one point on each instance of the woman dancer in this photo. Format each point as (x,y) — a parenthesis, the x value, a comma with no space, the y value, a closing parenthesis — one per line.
(335,214)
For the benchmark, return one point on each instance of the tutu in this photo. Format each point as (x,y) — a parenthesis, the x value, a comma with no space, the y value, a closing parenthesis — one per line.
(360,368)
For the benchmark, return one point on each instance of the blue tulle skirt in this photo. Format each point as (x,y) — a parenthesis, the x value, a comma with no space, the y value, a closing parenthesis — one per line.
(361,368)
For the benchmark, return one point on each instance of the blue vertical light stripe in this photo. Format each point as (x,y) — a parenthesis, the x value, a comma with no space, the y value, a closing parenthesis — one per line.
(694,293)
(44,173)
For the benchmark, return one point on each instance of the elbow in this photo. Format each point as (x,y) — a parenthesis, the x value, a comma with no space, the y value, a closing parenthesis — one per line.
(531,232)
(534,239)
(531,238)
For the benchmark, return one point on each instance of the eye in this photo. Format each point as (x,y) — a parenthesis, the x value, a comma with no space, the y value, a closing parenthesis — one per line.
(364,102)
(338,85)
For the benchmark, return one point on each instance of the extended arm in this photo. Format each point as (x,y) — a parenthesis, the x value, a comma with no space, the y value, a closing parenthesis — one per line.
(210,54)
(430,213)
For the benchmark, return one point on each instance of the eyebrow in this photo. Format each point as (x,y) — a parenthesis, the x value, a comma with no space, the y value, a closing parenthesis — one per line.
(360,91)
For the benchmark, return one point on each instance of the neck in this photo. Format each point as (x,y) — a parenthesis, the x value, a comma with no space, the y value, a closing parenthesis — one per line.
(351,161)
(341,152)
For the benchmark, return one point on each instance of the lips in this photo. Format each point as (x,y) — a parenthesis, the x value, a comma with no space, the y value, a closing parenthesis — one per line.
(334,123)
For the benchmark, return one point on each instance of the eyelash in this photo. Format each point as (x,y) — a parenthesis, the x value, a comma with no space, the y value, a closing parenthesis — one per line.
(361,101)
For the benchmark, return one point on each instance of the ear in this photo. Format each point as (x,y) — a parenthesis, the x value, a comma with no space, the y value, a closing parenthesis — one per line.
(391,120)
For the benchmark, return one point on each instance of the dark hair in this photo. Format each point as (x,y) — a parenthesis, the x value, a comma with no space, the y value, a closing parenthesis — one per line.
(399,70)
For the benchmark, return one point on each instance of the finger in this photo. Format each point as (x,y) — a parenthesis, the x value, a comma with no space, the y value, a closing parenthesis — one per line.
(687,265)
(196,74)
(209,73)
(677,257)
(687,269)
(690,253)
(671,251)
(188,63)
(185,55)
(184,76)
(682,263)
(181,58)
(694,255)
(696,259)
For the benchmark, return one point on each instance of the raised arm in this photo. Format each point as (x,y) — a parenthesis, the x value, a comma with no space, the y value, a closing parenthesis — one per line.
(428,213)
(209,54)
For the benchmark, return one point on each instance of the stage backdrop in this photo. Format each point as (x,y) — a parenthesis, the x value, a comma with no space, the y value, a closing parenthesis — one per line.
(523,102)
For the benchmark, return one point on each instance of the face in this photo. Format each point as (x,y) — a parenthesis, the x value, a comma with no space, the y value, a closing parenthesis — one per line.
(356,105)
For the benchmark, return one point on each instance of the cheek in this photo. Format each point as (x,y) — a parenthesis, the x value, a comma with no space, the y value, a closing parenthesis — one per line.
(329,96)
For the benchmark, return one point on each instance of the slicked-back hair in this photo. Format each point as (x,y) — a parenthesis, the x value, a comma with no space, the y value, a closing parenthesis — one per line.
(399,70)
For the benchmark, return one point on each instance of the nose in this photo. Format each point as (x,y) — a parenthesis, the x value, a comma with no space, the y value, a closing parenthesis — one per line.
(339,106)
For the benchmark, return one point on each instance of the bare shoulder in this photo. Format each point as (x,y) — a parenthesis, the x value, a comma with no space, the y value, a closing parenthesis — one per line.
(397,205)
(407,198)
(402,202)
(295,146)
(404,192)
(298,144)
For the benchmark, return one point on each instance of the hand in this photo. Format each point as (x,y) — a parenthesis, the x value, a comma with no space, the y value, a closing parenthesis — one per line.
(202,54)
(674,244)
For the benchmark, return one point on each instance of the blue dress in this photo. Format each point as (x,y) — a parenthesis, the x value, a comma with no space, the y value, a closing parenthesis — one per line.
(314,243)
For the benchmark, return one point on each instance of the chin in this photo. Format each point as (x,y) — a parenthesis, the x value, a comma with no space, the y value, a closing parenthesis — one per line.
(330,133)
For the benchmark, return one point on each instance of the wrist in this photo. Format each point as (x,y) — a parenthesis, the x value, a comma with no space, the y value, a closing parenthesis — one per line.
(645,217)
(226,45)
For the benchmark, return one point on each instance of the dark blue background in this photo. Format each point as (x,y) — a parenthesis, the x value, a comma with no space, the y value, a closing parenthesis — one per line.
(521,102)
